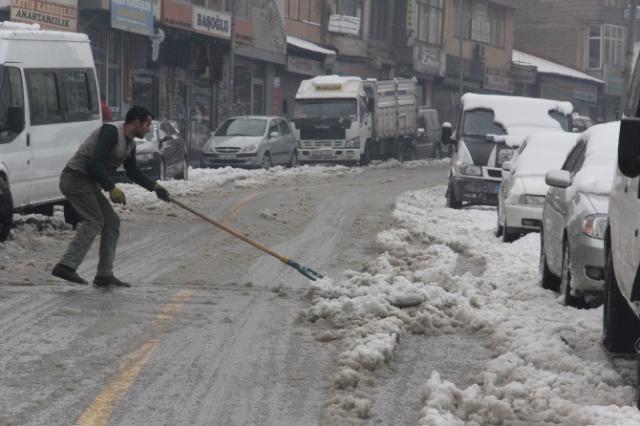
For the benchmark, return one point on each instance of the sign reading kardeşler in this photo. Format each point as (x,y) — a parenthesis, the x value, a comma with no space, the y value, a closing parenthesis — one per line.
(61,15)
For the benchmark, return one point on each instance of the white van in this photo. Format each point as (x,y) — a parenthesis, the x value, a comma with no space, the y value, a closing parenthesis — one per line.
(49,104)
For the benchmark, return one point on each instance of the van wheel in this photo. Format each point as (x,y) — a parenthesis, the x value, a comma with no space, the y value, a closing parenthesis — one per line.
(71,216)
(565,281)
(549,281)
(6,210)
(452,201)
(620,326)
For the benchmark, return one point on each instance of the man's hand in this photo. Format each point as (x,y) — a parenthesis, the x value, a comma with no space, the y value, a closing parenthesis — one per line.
(117,196)
(162,193)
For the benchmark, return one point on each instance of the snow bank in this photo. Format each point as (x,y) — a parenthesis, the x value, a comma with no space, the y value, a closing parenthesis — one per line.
(601,156)
(544,151)
(443,272)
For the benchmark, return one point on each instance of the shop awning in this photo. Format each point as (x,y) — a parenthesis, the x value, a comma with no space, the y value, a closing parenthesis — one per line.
(307,45)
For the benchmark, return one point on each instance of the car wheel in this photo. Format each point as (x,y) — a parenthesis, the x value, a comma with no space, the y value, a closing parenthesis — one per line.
(293,161)
(266,161)
(6,210)
(509,236)
(620,326)
(452,201)
(184,174)
(565,280)
(549,281)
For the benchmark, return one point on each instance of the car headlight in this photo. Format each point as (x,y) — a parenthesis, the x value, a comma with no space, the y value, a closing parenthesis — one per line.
(353,143)
(505,155)
(595,225)
(208,148)
(144,157)
(534,200)
(470,170)
(250,148)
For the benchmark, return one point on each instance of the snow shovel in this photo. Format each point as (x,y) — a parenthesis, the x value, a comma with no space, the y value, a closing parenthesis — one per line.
(307,272)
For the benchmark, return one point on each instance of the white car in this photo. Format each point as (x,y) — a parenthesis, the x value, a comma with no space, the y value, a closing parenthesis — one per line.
(523,187)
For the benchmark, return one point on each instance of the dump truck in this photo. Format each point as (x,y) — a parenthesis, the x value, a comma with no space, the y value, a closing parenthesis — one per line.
(351,120)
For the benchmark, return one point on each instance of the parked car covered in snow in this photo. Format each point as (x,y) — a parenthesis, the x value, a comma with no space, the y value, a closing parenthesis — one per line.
(523,189)
(252,142)
(574,217)
(580,123)
(488,132)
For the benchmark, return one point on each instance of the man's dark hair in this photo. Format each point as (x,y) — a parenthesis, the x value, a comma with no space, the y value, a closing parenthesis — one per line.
(137,112)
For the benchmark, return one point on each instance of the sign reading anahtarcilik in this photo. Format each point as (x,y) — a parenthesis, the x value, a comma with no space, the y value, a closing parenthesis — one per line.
(134,16)
(61,15)
(211,22)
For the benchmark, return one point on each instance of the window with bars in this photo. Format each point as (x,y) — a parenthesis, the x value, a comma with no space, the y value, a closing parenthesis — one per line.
(430,14)
(308,11)
(605,45)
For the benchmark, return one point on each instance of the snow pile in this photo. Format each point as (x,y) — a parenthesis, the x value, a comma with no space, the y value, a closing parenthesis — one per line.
(544,151)
(596,175)
(444,272)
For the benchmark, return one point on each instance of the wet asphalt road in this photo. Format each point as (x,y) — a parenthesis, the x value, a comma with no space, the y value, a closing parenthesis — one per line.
(209,334)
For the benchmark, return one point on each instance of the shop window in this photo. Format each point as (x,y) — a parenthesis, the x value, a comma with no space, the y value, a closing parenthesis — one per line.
(308,11)
(594,47)
(108,59)
(605,44)
(44,97)
(380,20)
(497,23)
(347,7)
(430,14)
(80,94)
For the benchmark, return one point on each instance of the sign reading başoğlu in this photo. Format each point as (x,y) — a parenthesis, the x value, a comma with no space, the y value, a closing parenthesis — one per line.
(62,15)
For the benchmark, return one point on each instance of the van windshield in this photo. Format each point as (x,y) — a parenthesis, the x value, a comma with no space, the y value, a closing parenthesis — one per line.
(480,123)
(326,108)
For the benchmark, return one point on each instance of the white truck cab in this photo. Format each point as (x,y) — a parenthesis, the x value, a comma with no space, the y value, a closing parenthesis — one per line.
(49,104)
(489,130)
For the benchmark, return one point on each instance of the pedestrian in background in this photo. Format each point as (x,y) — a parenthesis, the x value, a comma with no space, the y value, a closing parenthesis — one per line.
(89,170)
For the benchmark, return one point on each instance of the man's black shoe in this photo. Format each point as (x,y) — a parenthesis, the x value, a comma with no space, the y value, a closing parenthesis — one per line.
(68,274)
(109,281)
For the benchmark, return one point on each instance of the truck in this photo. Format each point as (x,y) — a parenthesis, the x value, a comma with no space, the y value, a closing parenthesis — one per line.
(351,120)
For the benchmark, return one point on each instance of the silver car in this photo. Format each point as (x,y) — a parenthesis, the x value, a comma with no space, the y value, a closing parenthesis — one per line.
(252,142)
(574,219)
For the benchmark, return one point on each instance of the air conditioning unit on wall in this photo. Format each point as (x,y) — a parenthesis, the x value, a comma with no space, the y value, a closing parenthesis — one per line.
(478,51)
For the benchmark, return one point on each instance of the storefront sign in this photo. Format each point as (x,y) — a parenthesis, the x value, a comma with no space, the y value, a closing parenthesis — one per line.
(411,17)
(428,60)
(498,83)
(177,14)
(586,93)
(524,73)
(305,66)
(480,24)
(211,22)
(134,16)
(243,32)
(343,24)
(553,88)
(61,15)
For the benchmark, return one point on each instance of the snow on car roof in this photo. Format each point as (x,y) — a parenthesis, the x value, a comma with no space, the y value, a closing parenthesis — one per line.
(598,170)
(518,115)
(544,151)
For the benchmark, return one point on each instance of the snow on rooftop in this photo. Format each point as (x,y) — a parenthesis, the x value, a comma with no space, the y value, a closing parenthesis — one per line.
(519,115)
(547,67)
(598,170)
(307,45)
(544,151)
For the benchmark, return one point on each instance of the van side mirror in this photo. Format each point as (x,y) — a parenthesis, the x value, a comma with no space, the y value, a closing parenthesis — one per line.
(558,178)
(15,120)
(629,147)
(274,134)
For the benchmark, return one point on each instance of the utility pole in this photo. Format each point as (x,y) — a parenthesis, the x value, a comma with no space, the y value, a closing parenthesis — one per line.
(460,13)
(628,56)
(232,47)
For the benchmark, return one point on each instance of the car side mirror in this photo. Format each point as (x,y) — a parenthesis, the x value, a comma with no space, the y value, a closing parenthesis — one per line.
(15,120)
(629,147)
(274,134)
(421,132)
(558,178)
(506,166)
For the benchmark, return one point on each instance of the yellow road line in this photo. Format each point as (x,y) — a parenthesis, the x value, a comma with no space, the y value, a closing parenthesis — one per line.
(101,409)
